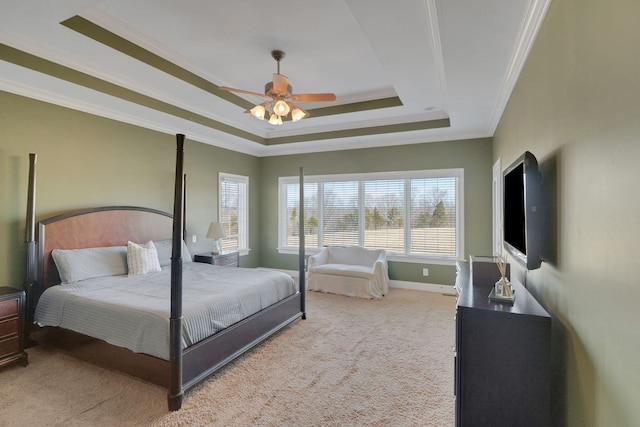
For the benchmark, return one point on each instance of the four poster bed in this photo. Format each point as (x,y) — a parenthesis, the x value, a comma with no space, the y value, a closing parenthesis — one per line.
(173,323)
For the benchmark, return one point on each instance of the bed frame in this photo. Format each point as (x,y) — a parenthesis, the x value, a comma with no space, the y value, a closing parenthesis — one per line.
(114,226)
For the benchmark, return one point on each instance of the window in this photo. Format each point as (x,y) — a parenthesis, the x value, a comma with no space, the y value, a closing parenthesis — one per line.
(234,211)
(413,215)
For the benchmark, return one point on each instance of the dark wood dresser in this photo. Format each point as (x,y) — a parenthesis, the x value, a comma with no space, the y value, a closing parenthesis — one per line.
(502,357)
(225,259)
(12,326)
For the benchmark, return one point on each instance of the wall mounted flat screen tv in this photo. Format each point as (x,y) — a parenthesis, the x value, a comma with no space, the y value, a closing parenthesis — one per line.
(521,215)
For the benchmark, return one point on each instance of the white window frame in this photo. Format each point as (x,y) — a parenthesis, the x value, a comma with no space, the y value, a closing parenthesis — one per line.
(457,173)
(243,208)
(497,208)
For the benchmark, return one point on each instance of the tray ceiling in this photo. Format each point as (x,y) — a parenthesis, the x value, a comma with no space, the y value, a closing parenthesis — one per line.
(404,72)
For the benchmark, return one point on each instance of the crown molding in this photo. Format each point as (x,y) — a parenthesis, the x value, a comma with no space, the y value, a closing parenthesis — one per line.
(532,21)
(438,58)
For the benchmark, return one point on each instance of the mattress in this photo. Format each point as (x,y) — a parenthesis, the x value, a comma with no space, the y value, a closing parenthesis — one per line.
(133,312)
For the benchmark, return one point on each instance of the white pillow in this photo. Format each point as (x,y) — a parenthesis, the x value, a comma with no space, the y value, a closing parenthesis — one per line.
(80,264)
(142,259)
(165,247)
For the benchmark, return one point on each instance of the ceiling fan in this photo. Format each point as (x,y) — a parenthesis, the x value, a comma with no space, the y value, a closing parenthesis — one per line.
(282,99)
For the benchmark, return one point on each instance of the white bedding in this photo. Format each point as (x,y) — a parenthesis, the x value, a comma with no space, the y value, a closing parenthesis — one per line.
(133,312)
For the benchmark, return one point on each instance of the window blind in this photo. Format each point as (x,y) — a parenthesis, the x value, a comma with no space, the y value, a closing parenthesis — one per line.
(412,214)
(384,215)
(234,211)
(433,216)
(341,215)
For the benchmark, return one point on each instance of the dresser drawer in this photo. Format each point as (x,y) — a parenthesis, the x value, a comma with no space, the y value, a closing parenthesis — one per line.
(9,327)
(9,346)
(227,260)
(230,259)
(8,308)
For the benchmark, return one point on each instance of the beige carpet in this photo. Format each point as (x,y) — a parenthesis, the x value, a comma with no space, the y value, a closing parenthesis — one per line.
(353,362)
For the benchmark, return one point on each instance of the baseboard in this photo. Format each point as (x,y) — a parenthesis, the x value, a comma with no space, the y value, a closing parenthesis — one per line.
(419,286)
(399,284)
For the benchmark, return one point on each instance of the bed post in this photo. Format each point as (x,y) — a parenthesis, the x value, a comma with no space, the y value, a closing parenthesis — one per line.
(176,391)
(184,206)
(30,249)
(301,255)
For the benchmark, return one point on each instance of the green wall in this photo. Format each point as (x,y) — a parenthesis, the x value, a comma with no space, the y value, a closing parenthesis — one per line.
(576,106)
(472,155)
(87,161)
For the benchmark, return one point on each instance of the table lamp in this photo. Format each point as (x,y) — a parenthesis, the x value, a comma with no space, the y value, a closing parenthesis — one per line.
(216,232)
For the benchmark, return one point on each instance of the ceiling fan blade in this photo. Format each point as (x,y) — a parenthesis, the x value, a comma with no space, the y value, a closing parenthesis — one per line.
(313,97)
(280,84)
(246,92)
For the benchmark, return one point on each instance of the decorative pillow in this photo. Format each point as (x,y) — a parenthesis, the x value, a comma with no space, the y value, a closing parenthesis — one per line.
(142,259)
(165,247)
(81,264)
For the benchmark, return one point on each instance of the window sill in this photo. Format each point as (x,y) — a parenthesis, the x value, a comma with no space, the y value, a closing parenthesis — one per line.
(422,260)
(394,258)
(242,252)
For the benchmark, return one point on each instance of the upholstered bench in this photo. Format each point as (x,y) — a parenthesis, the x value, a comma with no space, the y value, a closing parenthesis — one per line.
(353,271)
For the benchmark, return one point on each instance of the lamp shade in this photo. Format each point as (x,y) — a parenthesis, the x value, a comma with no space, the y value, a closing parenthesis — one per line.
(258,112)
(297,114)
(275,120)
(216,231)
(281,108)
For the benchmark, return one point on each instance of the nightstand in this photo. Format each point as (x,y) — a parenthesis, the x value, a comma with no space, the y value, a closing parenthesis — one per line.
(225,259)
(12,326)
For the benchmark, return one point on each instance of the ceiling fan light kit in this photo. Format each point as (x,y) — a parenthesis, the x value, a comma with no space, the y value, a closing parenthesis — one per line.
(280,92)
(281,108)
(275,120)
(258,112)
(297,114)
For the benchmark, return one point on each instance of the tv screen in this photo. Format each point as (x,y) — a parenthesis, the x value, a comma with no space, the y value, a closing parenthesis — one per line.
(521,211)
(514,219)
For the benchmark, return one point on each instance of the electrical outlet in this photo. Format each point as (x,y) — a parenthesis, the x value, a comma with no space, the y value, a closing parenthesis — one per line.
(425,271)
(193,238)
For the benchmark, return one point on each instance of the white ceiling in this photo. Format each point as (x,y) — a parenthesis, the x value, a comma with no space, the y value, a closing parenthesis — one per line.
(443,59)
